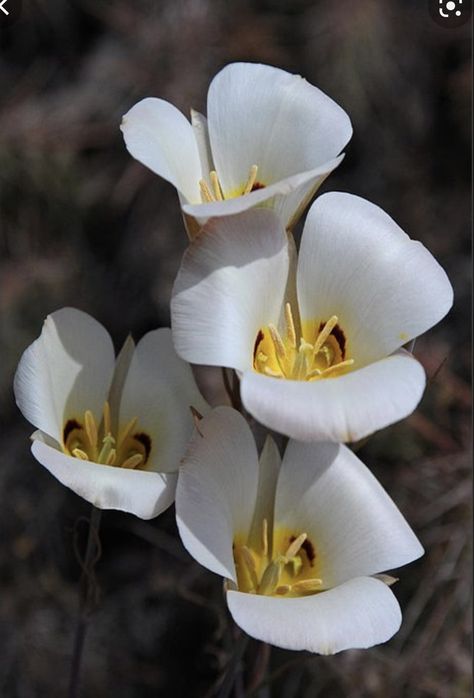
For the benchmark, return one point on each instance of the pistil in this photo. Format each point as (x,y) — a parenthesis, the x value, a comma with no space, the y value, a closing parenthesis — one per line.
(278,354)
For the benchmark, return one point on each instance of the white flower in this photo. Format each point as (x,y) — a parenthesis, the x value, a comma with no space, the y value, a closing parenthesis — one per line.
(269,137)
(299,542)
(317,340)
(113,431)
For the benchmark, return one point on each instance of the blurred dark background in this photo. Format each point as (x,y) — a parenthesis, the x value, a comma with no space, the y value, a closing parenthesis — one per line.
(83,224)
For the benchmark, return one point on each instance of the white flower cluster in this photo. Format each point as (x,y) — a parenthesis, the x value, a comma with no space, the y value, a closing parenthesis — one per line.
(315,337)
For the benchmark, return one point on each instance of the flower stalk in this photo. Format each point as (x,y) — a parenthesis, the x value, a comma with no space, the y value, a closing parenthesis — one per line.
(87,598)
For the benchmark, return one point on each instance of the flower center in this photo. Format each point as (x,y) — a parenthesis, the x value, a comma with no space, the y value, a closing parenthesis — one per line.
(215,192)
(86,440)
(283,356)
(290,571)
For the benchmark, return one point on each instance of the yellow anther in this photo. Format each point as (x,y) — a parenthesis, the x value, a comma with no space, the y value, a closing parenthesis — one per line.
(216,187)
(324,334)
(290,326)
(277,341)
(91,428)
(79,453)
(335,367)
(127,430)
(265,537)
(251,180)
(294,547)
(306,586)
(107,419)
(206,193)
(283,589)
(262,357)
(133,461)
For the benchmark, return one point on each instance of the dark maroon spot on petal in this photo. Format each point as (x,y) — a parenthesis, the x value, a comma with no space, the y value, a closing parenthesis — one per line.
(257,185)
(145,441)
(70,425)
(260,337)
(339,336)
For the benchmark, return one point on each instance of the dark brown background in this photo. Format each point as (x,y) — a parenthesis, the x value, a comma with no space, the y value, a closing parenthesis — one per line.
(83,224)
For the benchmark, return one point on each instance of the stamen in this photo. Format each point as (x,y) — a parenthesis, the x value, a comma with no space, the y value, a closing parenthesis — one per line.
(216,185)
(251,180)
(133,461)
(290,326)
(278,342)
(249,561)
(91,428)
(324,334)
(336,367)
(306,585)
(107,420)
(295,546)
(262,357)
(205,191)
(265,537)
(79,453)
(127,431)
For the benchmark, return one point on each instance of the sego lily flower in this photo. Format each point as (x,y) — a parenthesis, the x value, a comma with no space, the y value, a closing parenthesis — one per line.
(113,431)
(300,544)
(316,340)
(269,138)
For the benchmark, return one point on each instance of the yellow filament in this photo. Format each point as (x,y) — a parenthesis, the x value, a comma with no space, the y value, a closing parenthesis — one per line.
(264,537)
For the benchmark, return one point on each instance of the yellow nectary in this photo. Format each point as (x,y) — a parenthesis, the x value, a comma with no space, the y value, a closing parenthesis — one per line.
(292,568)
(320,352)
(84,439)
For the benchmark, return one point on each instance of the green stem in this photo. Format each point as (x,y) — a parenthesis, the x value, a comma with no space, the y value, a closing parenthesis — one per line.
(86,601)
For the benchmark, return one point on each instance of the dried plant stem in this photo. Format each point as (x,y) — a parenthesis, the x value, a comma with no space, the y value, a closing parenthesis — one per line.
(87,598)
(233,666)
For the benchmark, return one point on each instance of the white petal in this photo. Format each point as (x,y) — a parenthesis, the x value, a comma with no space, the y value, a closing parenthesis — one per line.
(288,197)
(269,468)
(217,485)
(137,492)
(355,528)
(231,282)
(159,136)
(160,389)
(355,262)
(346,408)
(65,372)
(265,116)
(358,614)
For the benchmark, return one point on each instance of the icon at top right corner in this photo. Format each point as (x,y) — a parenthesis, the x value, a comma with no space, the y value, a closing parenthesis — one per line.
(450,13)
